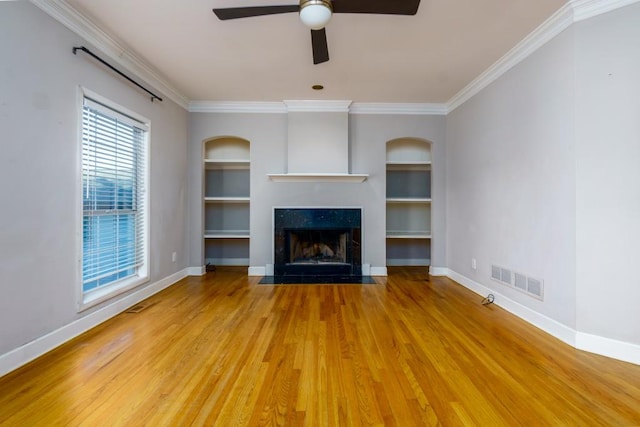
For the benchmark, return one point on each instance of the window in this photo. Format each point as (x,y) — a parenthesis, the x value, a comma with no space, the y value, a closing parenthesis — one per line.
(114,217)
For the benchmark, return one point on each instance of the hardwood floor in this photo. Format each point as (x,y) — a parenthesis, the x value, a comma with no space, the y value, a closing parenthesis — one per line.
(223,350)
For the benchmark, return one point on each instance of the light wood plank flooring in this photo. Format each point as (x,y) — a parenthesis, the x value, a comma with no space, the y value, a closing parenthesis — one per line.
(223,350)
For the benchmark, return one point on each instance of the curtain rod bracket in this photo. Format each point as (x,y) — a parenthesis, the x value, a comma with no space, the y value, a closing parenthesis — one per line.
(88,52)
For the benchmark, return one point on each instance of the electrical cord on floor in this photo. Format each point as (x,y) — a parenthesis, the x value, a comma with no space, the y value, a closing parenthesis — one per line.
(488,300)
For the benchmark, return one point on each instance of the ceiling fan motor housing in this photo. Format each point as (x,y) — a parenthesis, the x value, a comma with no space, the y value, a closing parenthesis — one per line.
(315,14)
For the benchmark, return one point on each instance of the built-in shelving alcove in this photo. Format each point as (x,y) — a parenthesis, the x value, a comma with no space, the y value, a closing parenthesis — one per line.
(408,201)
(226,200)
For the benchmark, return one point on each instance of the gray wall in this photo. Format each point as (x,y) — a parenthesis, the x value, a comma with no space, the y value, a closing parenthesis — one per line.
(39,171)
(608,174)
(543,177)
(511,180)
(317,142)
(267,133)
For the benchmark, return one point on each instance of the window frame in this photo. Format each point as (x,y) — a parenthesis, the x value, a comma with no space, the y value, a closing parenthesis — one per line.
(94,297)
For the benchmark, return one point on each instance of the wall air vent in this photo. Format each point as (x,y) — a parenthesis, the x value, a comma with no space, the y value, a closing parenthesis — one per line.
(505,275)
(520,282)
(495,272)
(534,286)
(529,285)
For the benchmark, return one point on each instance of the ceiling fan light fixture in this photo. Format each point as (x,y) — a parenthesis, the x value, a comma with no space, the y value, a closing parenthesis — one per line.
(315,14)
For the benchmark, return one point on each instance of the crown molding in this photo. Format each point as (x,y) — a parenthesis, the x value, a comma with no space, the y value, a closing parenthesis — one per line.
(573,11)
(317,106)
(398,108)
(585,9)
(62,12)
(236,107)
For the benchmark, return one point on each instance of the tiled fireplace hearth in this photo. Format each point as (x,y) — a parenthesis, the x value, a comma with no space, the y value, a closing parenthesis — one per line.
(317,242)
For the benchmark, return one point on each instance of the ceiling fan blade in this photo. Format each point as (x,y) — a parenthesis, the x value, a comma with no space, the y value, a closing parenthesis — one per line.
(319,45)
(384,7)
(247,12)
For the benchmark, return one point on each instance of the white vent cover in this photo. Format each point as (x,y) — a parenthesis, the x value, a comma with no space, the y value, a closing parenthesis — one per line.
(495,272)
(534,287)
(505,275)
(520,282)
(527,284)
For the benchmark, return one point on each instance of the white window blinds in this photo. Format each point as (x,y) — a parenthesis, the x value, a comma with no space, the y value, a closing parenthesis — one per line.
(113,150)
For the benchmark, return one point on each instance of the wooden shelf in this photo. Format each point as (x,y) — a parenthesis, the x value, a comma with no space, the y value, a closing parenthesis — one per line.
(408,166)
(226,234)
(227,164)
(227,199)
(408,200)
(391,234)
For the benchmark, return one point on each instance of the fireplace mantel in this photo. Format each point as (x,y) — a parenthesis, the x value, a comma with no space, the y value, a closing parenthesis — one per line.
(318,177)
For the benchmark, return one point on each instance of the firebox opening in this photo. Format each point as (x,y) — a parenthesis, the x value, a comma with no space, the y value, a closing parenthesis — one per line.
(317,247)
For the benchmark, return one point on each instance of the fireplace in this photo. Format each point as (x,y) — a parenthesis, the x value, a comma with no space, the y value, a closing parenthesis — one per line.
(317,242)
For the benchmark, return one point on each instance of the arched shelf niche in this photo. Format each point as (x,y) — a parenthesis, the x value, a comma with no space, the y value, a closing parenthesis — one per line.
(408,201)
(227,196)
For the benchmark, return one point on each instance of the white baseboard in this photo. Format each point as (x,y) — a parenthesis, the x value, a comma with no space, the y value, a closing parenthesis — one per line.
(620,350)
(196,271)
(366,269)
(257,271)
(378,271)
(413,262)
(36,348)
(608,347)
(438,271)
(230,262)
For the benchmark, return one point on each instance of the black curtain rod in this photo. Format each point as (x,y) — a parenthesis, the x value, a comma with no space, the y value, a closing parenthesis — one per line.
(88,52)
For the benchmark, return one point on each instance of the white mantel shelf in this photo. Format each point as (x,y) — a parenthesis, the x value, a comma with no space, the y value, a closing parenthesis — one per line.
(318,177)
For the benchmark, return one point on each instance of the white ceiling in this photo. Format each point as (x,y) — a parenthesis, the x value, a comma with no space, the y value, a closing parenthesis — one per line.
(426,58)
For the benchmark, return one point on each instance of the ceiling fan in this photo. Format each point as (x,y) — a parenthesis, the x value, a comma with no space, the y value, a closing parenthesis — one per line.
(315,14)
